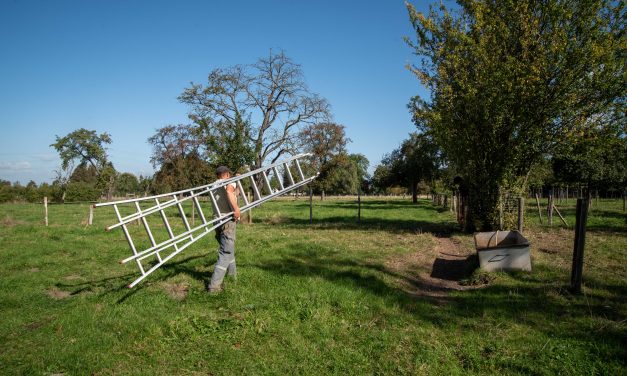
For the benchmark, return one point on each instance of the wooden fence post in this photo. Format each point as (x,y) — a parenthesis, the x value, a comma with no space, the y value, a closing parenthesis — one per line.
(538,204)
(521,213)
(311,205)
(500,213)
(46,210)
(549,210)
(580,242)
(193,216)
(249,217)
(358,207)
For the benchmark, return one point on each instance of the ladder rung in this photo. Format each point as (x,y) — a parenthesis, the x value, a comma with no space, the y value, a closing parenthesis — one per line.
(289,174)
(279,178)
(267,181)
(241,190)
(300,171)
(199,210)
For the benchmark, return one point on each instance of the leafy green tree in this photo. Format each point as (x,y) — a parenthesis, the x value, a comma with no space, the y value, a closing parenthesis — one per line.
(146,184)
(182,173)
(85,149)
(417,159)
(229,146)
(510,80)
(343,174)
(85,173)
(126,183)
(177,155)
(82,146)
(324,141)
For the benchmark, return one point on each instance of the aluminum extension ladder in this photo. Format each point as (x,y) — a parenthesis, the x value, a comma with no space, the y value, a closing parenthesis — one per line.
(156,253)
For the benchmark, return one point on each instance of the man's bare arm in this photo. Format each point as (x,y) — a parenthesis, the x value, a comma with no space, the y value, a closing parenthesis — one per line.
(232,197)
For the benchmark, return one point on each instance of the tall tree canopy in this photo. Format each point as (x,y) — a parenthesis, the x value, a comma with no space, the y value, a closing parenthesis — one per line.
(417,159)
(324,140)
(262,105)
(84,147)
(343,174)
(177,154)
(511,80)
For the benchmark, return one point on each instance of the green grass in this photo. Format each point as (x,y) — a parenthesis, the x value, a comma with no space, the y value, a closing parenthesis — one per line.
(332,297)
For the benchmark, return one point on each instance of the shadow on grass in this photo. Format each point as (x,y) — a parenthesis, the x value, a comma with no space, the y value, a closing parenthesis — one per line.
(120,283)
(531,301)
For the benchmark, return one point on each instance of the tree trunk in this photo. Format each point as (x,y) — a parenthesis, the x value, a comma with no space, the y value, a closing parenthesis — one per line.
(482,206)
(414,191)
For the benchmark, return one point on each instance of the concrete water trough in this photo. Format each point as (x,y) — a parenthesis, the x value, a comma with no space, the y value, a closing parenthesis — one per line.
(502,250)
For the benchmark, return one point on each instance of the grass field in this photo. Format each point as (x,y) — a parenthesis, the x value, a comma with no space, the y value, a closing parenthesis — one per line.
(394,294)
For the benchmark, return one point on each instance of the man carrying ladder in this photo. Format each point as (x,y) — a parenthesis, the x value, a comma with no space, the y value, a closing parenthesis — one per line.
(225,202)
(226,212)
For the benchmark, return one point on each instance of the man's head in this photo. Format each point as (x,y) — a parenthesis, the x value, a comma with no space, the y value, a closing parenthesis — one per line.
(223,172)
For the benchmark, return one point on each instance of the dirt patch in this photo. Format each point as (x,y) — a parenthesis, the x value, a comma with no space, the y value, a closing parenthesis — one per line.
(552,242)
(435,272)
(72,277)
(177,291)
(8,221)
(275,219)
(33,270)
(57,294)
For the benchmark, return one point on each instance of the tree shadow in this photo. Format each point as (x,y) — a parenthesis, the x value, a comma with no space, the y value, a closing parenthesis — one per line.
(532,302)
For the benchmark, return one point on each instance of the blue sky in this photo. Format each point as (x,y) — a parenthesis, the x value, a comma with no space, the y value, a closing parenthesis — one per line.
(118,67)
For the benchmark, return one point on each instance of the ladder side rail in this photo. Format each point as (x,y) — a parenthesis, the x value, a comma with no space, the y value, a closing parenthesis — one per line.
(156,208)
(176,244)
(137,215)
(169,242)
(179,238)
(166,259)
(277,193)
(206,186)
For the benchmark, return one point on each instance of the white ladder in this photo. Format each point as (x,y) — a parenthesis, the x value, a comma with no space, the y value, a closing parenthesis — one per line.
(157,253)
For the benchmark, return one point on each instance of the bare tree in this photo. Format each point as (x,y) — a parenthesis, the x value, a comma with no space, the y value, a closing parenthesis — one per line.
(270,95)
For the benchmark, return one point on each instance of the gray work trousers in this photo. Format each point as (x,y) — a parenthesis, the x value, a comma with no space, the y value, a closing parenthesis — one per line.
(225,235)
